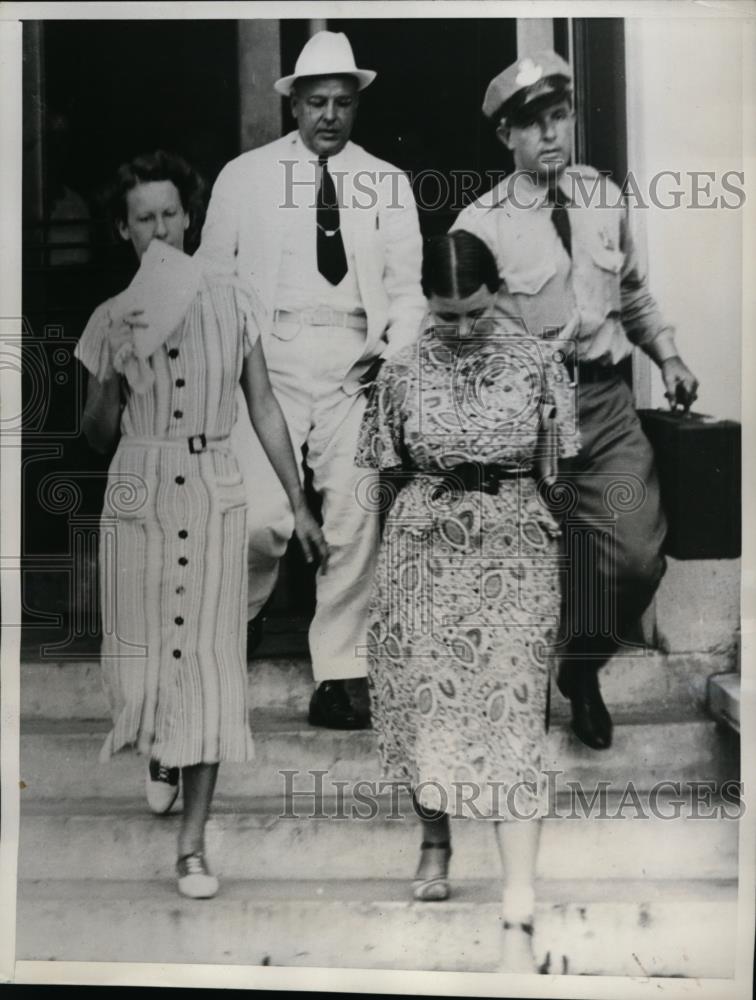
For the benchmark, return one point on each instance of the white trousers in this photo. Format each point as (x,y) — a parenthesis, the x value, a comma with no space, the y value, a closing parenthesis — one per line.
(306,370)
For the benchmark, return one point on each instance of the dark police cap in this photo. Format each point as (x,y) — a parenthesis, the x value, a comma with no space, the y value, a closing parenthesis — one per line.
(531,83)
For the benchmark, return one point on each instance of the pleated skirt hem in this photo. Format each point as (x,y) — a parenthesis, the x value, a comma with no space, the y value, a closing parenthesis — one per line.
(146,746)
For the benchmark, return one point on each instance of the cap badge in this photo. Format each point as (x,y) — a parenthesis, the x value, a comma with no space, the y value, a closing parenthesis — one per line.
(606,239)
(528,73)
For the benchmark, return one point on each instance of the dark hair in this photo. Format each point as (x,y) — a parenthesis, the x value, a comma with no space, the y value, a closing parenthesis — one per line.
(457,264)
(159,166)
(518,114)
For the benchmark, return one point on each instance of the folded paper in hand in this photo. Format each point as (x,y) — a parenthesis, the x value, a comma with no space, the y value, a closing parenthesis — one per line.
(163,288)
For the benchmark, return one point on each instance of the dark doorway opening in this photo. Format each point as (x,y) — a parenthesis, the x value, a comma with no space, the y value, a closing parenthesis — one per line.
(95,94)
(108,89)
(131,86)
(423,112)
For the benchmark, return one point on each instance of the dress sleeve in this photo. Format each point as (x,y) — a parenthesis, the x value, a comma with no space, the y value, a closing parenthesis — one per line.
(252,313)
(92,349)
(380,442)
(560,399)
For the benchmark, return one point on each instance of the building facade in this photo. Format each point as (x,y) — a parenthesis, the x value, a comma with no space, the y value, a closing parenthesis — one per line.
(97,92)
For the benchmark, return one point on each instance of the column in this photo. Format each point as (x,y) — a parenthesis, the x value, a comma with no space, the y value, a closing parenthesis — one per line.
(259,67)
(534,33)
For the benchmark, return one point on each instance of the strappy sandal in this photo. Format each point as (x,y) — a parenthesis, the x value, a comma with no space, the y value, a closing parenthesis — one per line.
(436,889)
(527,929)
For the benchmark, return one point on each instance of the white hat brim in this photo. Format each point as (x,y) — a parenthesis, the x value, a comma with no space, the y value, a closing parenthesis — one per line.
(364,78)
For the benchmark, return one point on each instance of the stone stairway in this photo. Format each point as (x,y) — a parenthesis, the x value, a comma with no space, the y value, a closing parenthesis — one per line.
(307,880)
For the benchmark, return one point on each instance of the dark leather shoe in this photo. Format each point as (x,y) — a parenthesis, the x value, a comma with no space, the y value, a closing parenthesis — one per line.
(359,697)
(330,707)
(591,721)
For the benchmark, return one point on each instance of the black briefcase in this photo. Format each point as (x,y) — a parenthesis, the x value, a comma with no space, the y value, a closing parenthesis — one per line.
(698,461)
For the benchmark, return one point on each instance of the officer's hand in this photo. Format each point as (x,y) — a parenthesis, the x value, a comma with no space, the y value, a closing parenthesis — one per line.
(680,382)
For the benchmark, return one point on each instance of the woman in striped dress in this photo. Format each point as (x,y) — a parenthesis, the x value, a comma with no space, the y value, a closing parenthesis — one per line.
(173,536)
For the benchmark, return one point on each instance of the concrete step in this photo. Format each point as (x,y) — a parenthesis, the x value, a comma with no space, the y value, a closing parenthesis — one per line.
(648,928)
(724,699)
(259,838)
(59,759)
(285,634)
(72,689)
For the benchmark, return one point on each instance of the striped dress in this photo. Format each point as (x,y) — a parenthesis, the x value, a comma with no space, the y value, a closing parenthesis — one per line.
(173,542)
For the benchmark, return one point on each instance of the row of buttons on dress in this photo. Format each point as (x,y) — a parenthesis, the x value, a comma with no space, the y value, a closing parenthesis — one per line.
(179,383)
(173,353)
(181,589)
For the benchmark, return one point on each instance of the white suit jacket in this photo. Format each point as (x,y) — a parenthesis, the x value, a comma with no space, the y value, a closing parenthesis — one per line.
(243,235)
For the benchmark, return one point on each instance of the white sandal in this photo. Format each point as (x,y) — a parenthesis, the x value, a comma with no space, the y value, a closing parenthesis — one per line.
(518,906)
(436,888)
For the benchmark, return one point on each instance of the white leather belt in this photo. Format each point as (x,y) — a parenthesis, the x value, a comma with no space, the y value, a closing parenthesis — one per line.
(322,316)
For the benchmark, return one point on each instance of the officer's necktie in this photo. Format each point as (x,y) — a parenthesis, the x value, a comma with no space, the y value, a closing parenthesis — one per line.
(332,262)
(560,216)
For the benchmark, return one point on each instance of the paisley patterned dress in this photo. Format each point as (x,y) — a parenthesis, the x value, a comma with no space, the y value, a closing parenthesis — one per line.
(466,598)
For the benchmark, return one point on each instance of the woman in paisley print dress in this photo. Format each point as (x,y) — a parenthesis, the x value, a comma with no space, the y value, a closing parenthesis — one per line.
(173,572)
(467,424)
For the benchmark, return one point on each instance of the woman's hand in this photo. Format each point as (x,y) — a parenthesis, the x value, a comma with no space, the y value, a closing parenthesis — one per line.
(121,329)
(310,536)
(269,423)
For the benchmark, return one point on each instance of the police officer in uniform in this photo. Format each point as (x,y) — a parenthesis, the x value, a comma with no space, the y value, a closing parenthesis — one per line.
(569,269)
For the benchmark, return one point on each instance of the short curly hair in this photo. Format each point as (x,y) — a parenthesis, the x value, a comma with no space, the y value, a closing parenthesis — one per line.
(160,166)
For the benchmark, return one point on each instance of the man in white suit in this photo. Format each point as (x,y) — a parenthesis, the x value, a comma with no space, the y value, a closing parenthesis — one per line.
(328,236)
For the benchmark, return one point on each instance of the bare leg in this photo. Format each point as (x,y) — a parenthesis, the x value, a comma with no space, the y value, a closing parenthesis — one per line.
(518,842)
(199,785)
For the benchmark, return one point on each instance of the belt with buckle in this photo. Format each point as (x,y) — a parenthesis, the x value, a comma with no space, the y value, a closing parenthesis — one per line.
(322,316)
(197,443)
(470,476)
(589,372)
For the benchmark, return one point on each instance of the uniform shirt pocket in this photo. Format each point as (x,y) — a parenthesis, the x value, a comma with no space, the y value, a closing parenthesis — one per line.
(606,267)
(529,279)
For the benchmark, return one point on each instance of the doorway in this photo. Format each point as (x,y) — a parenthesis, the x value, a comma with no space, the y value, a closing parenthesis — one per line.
(423,112)
(95,94)
(102,90)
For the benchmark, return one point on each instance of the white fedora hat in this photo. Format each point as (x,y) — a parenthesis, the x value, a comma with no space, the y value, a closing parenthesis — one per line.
(327,53)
